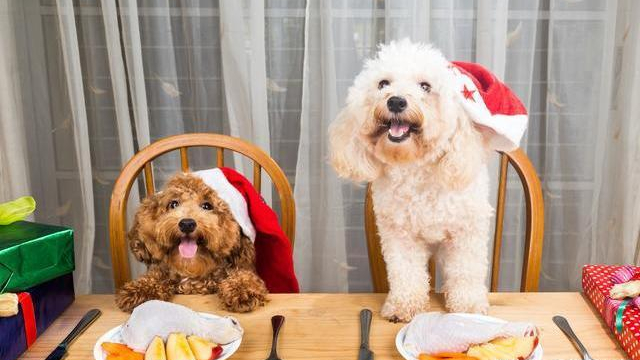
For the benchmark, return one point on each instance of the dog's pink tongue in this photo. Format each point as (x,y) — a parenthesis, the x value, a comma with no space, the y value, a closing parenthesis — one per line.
(187,248)
(398,129)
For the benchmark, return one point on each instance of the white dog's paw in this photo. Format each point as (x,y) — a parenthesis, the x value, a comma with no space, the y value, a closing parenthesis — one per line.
(396,310)
(469,300)
(621,291)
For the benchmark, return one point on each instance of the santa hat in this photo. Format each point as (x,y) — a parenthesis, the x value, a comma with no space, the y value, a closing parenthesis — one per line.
(274,259)
(490,104)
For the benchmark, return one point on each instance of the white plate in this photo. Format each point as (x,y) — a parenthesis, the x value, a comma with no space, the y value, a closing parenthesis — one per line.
(113,335)
(536,355)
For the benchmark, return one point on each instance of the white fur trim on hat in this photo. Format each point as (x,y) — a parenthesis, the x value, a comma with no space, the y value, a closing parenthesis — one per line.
(216,180)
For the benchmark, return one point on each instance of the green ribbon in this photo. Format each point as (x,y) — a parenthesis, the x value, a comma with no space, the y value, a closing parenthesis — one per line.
(619,314)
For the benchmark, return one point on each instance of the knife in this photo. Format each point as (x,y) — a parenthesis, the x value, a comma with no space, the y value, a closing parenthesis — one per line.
(365,326)
(61,350)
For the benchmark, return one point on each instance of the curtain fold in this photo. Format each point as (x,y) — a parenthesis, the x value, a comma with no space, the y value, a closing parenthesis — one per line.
(121,104)
(244,68)
(75,88)
(320,253)
(617,213)
(14,175)
(87,84)
(133,54)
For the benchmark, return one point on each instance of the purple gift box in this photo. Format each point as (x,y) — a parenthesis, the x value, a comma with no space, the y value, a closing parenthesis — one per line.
(49,300)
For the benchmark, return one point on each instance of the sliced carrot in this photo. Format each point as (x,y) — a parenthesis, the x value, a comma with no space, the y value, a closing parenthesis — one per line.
(445,356)
(427,357)
(115,348)
(133,356)
(117,351)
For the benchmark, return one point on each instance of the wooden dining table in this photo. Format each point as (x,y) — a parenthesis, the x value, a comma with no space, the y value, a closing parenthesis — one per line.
(326,326)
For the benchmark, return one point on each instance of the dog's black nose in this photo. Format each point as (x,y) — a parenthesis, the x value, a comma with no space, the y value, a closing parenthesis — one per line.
(187,225)
(396,104)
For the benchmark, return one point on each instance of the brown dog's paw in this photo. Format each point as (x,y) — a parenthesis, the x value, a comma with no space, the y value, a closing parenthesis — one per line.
(126,301)
(243,291)
(138,291)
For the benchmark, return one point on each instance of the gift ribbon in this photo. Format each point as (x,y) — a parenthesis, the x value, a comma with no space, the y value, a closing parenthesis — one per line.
(28,316)
(622,275)
(619,314)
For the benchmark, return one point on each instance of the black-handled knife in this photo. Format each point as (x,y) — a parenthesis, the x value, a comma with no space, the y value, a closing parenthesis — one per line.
(365,326)
(88,319)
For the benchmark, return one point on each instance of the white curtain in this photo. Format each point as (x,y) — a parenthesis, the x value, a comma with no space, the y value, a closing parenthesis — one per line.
(84,85)
(14,178)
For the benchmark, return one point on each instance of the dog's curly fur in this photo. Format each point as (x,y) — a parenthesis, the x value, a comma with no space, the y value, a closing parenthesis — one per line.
(430,189)
(224,262)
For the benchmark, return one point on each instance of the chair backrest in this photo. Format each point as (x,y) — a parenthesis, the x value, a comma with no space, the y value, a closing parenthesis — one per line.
(534,204)
(142,161)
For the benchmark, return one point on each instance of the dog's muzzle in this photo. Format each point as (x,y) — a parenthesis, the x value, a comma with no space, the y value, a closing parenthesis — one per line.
(397,130)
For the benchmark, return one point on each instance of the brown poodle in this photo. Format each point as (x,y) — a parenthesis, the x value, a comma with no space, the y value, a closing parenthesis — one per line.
(191,244)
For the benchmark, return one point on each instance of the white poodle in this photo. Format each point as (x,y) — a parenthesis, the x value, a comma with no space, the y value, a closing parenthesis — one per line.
(417,127)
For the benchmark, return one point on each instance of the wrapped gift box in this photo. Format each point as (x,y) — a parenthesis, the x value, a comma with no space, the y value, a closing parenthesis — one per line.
(623,318)
(36,262)
(32,253)
(39,307)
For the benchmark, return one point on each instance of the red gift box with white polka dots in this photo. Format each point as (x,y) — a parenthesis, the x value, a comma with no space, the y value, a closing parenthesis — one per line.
(596,283)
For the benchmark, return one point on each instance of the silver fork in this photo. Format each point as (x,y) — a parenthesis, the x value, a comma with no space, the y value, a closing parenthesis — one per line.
(563,324)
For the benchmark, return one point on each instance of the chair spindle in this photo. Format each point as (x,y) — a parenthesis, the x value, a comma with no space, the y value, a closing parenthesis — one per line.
(184,159)
(497,237)
(148,179)
(220,157)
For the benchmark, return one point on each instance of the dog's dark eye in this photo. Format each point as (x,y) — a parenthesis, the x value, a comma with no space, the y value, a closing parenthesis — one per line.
(425,86)
(383,83)
(173,204)
(206,206)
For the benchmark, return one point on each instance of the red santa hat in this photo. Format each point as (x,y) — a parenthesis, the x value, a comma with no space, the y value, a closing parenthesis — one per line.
(490,104)
(274,255)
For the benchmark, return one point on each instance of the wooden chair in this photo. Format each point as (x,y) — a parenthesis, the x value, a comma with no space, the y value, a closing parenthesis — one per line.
(533,236)
(142,161)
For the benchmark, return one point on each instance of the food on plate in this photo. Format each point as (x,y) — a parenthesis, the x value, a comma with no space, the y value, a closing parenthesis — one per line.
(181,347)
(160,318)
(448,334)
(204,349)
(519,347)
(156,350)
(445,356)
(117,351)
(178,348)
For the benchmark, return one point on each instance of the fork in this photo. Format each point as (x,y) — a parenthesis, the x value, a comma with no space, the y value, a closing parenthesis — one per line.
(563,324)
(276,324)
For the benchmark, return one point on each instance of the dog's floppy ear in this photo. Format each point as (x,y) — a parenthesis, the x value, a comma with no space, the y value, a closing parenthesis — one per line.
(347,152)
(463,153)
(243,255)
(135,237)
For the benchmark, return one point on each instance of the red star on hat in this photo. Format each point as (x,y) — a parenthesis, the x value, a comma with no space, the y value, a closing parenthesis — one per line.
(468,94)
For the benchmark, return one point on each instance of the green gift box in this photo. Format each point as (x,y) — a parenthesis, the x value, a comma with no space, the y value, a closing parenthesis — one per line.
(33,253)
